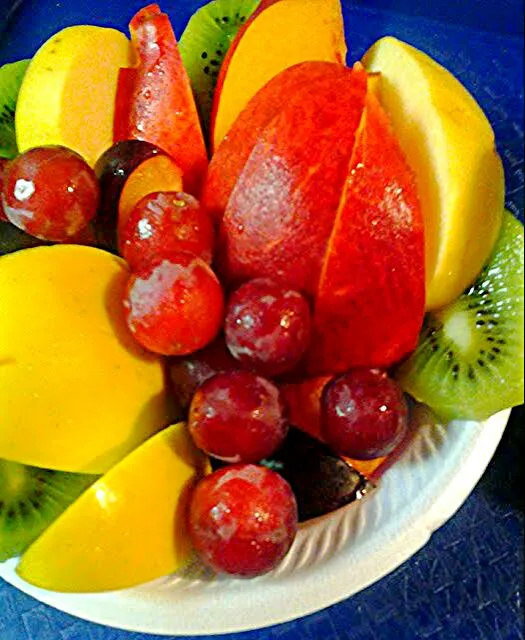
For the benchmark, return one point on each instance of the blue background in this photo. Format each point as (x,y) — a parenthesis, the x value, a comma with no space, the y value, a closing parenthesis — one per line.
(467,583)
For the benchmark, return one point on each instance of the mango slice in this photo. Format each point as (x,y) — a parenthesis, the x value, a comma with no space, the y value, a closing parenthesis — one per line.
(450,145)
(126,529)
(76,391)
(68,94)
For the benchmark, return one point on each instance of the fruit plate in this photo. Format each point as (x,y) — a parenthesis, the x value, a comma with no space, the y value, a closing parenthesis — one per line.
(342,554)
(332,558)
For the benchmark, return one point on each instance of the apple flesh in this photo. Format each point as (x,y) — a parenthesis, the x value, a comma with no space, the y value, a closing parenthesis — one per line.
(297,30)
(155,101)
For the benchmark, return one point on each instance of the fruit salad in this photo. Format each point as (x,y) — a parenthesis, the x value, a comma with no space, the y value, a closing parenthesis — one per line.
(226,279)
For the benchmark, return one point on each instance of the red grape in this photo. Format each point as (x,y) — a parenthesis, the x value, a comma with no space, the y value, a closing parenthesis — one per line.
(50,193)
(364,414)
(187,374)
(243,520)
(267,326)
(3,168)
(237,416)
(175,306)
(162,223)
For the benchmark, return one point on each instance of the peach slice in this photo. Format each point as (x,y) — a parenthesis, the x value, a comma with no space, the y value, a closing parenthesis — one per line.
(280,35)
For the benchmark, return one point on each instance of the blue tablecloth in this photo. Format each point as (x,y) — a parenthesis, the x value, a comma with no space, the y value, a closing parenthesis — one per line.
(467,583)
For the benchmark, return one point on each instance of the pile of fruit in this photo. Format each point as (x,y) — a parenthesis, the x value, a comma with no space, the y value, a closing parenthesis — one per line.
(225,269)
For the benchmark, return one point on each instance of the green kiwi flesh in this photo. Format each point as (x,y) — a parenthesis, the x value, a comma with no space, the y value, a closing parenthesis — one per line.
(205,42)
(30,500)
(469,361)
(11,76)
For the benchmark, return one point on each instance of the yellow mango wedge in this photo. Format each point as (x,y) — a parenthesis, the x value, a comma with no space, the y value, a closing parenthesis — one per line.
(126,529)
(68,93)
(77,393)
(281,35)
(449,143)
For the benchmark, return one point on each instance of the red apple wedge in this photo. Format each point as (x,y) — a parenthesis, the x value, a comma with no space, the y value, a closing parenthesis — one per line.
(370,301)
(232,154)
(281,212)
(155,102)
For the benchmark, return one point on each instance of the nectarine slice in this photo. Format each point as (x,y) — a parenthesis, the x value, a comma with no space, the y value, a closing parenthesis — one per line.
(281,35)
(449,143)
(370,302)
(281,212)
(158,173)
(233,152)
(68,93)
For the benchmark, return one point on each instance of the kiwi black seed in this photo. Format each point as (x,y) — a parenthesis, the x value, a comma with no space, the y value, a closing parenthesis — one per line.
(30,500)
(469,361)
(11,76)
(205,42)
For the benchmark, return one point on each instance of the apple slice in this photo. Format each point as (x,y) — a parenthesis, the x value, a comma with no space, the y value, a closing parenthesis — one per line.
(281,212)
(155,101)
(449,143)
(369,306)
(280,35)
(128,528)
(233,152)
(68,93)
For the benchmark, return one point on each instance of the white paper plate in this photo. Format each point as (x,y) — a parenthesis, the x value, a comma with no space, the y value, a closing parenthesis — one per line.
(332,558)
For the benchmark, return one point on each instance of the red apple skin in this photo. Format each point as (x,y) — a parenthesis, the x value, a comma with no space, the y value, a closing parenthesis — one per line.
(234,151)
(370,302)
(281,212)
(160,107)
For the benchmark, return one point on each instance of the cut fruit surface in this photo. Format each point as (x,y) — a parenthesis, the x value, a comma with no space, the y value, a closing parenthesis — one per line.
(469,362)
(449,143)
(11,77)
(128,528)
(281,35)
(68,93)
(77,392)
(31,500)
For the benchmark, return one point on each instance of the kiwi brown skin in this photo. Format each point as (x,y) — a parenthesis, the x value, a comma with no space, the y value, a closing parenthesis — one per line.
(469,361)
(30,500)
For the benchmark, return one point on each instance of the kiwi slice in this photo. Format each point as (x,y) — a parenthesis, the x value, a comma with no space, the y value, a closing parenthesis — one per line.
(11,76)
(205,42)
(469,361)
(30,500)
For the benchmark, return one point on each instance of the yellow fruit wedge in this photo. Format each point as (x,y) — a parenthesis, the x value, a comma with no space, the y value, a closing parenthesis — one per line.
(77,393)
(298,30)
(68,93)
(450,145)
(126,529)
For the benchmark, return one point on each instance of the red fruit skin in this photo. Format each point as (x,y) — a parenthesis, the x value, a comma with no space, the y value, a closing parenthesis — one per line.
(50,193)
(237,416)
(174,307)
(187,374)
(364,414)
(155,101)
(3,168)
(243,520)
(163,223)
(370,301)
(267,327)
(230,157)
(280,215)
